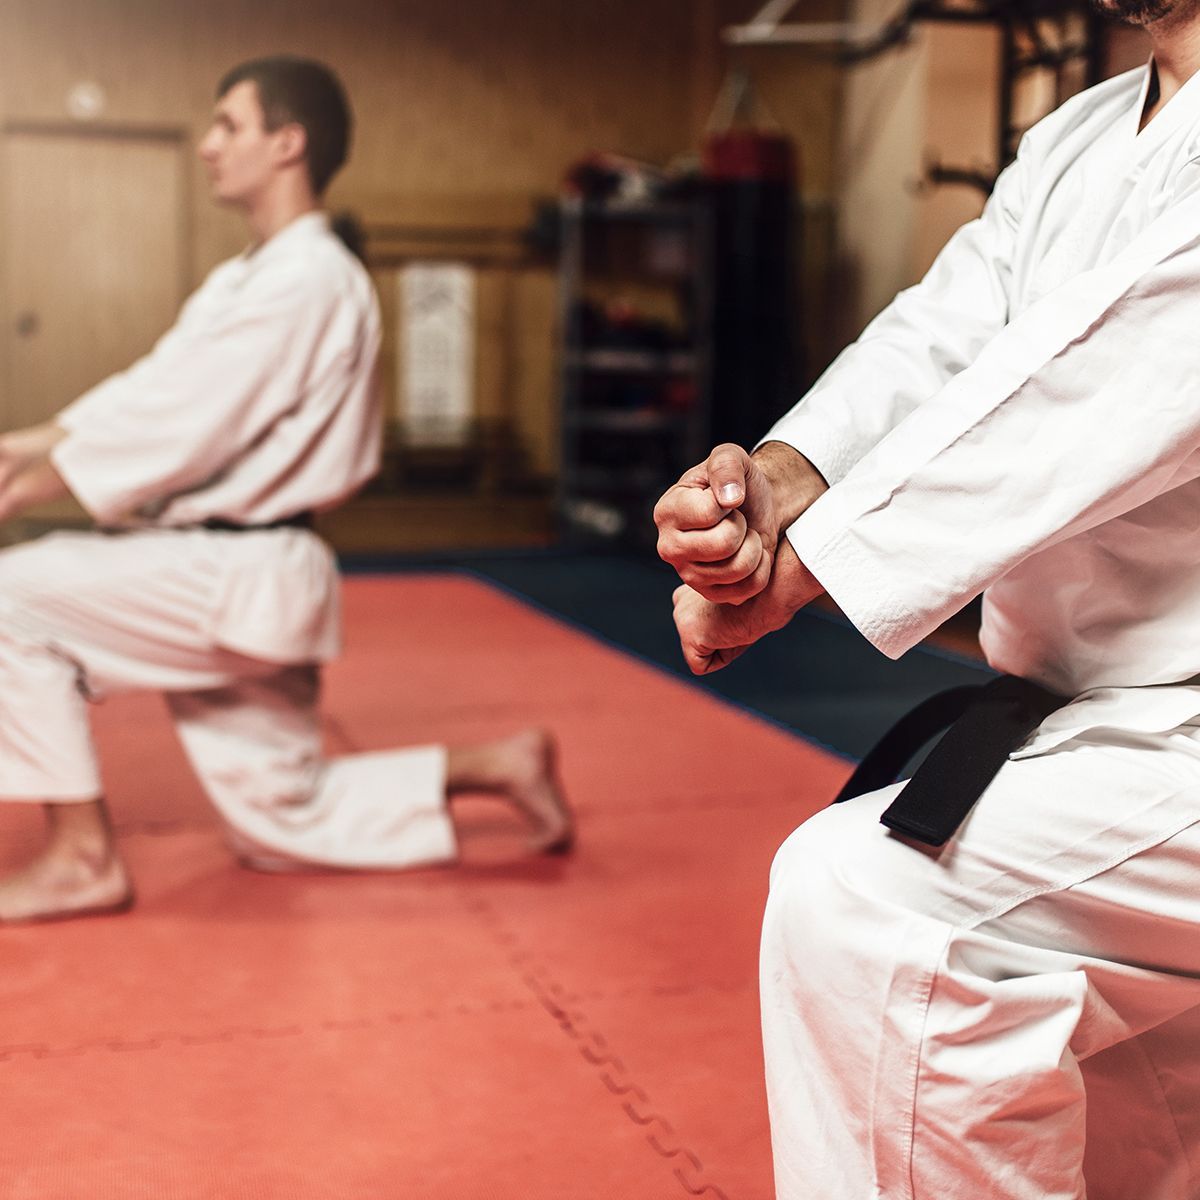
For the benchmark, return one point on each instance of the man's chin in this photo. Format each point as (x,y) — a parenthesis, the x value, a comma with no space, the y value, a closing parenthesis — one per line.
(224,199)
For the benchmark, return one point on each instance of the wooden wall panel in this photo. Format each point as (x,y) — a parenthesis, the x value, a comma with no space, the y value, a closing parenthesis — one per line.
(487,100)
(94,259)
(466,112)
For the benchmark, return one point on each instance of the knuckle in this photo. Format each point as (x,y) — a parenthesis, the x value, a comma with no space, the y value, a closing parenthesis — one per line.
(743,562)
(706,509)
(665,509)
(726,538)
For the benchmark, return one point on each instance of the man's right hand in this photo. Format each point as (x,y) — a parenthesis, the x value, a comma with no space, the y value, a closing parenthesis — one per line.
(720,525)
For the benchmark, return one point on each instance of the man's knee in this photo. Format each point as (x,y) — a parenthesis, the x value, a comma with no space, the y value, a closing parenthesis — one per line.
(840,869)
(809,873)
(837,840)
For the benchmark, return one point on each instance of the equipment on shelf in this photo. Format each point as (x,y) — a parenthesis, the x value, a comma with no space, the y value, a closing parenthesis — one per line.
(635,319)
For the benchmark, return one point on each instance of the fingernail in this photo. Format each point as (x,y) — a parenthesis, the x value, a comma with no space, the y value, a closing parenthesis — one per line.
(730,493)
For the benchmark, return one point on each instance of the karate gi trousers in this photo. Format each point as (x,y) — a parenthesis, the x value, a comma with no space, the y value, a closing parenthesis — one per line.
(86,615)
(1012,1017)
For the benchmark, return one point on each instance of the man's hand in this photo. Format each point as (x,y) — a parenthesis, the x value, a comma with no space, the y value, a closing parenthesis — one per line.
(713,635)
(11,466)
(719,526)
(24,448)
(27,486)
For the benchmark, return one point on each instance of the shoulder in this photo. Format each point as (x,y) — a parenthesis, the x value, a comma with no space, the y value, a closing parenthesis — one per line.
(309,266)
(1092,110)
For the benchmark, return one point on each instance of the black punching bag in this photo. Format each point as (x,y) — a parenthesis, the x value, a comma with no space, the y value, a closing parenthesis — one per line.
(757,356)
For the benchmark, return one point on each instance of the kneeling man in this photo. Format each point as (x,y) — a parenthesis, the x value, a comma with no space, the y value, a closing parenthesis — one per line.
(1002,1002)
(202,465)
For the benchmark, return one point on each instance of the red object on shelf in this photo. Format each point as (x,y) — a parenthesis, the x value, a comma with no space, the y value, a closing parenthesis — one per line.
(679,394)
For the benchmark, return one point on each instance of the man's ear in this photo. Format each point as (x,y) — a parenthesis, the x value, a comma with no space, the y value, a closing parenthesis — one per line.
(291,143)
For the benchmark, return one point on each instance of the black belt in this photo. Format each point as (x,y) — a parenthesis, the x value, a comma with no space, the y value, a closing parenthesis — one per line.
(984,724)
(302,520)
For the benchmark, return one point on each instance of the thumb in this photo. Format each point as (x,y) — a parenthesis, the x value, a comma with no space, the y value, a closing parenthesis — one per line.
(726,468)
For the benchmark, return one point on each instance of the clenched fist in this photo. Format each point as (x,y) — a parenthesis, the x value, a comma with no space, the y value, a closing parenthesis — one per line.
(721,527)
(718,527)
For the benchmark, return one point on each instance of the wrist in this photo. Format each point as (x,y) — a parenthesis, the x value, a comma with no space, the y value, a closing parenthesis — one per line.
(792,584)
(795,482)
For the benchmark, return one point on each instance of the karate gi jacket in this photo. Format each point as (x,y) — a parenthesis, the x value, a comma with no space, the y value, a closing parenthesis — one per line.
(1025,423)
(258,404)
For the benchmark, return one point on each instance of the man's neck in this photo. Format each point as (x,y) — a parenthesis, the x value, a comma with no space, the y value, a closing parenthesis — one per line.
(269,214)
(1175,40)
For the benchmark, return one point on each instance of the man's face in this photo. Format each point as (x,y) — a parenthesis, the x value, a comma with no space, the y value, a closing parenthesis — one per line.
(239,152)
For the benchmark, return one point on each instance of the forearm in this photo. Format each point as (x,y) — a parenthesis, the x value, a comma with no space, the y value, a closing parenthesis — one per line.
(29,444)
(36,484)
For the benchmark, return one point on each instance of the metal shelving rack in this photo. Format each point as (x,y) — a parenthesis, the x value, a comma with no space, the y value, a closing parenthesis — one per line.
(616,397)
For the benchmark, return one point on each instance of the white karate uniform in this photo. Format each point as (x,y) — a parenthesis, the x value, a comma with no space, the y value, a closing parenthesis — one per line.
(257,405)
(1026,423)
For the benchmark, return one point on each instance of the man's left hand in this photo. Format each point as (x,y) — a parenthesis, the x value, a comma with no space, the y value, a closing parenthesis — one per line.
(713,635)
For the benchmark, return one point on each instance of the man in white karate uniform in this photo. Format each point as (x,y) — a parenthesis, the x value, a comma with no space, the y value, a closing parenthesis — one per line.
(202,464)
(1012,1014)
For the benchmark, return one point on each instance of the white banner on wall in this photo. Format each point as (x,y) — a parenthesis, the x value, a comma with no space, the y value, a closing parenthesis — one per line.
(437,352)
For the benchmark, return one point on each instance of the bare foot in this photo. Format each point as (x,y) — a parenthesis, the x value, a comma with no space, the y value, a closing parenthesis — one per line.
(66,883)
(524,769)
(537,792)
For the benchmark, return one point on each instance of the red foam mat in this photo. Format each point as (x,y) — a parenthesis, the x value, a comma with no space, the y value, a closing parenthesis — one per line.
(510,1029)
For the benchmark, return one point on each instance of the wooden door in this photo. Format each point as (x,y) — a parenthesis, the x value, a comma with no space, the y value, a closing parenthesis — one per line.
(94,258)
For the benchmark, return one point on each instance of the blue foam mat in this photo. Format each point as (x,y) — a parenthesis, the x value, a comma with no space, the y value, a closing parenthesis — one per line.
(818,676)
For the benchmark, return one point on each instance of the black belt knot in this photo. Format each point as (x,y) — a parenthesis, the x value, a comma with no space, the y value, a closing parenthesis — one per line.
(984,724)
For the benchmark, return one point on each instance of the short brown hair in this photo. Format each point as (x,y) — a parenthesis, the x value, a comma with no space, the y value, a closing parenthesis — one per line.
(306,92)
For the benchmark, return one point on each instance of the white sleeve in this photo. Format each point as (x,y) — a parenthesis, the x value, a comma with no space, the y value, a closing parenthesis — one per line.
(923,338)
(207,392)
(1084,407)
(96,398)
